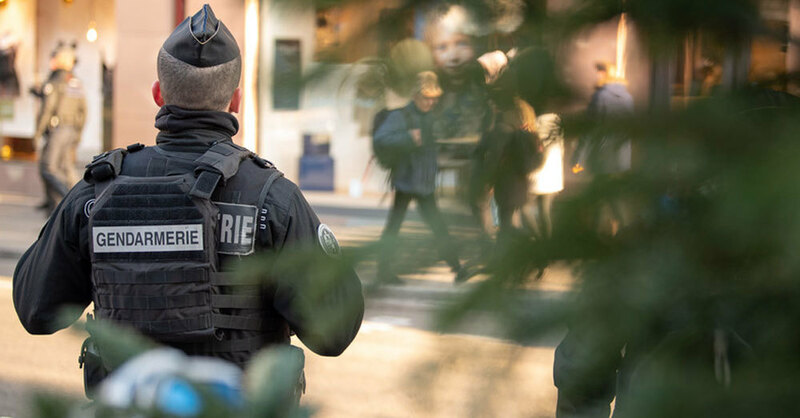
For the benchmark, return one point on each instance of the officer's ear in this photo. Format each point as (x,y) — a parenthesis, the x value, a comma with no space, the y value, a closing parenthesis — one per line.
(236,100)
(156,90)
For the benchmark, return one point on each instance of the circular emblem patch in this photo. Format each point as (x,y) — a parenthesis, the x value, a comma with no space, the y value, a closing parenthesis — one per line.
(87,208)
(328,241)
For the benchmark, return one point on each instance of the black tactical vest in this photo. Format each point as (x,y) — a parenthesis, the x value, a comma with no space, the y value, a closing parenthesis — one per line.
(156,241)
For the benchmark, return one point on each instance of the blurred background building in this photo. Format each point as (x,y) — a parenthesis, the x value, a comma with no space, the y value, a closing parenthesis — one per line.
(318,127)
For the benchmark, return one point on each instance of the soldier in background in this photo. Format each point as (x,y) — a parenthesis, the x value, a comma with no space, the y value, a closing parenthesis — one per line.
(59,126)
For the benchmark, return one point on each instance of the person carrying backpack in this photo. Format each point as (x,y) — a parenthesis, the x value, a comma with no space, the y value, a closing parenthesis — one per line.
(152,234)
(405,145)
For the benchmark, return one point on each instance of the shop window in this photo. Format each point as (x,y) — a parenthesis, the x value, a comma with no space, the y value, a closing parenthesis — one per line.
(702,64)
(15,148)
(698,70)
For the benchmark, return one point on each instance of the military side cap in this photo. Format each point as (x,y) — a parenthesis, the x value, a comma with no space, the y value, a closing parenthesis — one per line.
(202,40)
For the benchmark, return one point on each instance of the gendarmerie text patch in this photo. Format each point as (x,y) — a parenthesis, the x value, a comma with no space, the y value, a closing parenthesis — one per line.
(236,228)
(147,238)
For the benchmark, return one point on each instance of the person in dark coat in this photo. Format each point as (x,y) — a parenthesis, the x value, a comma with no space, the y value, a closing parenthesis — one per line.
(507,154)
(603,152)
(408,133)
(260,212)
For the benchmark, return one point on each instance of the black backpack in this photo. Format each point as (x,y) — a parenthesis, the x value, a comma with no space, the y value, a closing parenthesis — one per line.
(388,156)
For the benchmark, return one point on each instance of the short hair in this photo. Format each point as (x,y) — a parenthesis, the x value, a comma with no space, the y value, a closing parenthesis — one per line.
(427,84)
(197,88)
(611,74)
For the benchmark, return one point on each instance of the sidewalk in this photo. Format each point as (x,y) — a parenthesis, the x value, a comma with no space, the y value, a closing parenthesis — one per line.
(20,222)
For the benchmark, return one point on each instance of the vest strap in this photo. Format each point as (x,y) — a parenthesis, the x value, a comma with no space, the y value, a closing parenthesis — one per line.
(223,158)
(229,279)
(262,197)
(152,302)
(195,275)
(243,323)
(174,326)
(205,184)
(263,216)
(227,346)
(105,166)
(235,301)
(216,165)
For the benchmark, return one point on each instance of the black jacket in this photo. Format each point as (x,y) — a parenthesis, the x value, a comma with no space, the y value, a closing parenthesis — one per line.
(56,270)
(415,171)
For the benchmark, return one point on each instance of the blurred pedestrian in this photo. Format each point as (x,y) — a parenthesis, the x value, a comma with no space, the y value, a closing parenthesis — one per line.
(508,151)
(59,127)
(604,152)
(548,180)
(408,133)
(509,148)
(463,112)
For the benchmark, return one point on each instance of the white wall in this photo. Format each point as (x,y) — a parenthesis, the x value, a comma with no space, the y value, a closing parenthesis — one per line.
(280,138)
(60,21)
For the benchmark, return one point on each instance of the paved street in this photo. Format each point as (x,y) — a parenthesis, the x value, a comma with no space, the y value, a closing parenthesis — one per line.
(397,367)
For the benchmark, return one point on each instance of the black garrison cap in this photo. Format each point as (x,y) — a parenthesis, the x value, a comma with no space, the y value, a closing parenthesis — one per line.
(202,40)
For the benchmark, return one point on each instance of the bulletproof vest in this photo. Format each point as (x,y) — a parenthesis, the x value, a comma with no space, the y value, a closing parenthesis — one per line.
(155,245)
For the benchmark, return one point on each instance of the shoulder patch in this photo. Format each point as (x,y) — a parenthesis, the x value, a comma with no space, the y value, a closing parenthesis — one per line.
(88,206)
(236,228)
(328,242)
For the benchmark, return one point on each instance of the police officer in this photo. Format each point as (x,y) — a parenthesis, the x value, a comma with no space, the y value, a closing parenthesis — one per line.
(59,126)
(151,233)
